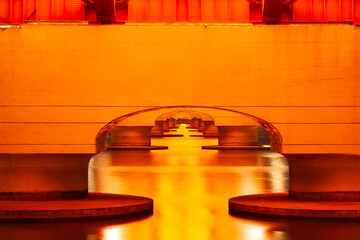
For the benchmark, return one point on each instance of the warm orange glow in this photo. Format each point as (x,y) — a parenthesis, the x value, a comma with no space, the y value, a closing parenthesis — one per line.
(214,54)
(189,186)
(65,88)
(18,11)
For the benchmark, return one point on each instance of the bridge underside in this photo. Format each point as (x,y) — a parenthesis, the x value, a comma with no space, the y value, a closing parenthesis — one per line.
(62,84)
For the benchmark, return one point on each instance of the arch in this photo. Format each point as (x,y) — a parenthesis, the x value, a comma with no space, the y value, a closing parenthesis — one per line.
(196,114)
(168,115)
(275,136)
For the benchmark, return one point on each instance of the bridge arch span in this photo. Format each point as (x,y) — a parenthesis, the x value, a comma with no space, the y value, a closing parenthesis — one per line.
(191,113)
(275,136)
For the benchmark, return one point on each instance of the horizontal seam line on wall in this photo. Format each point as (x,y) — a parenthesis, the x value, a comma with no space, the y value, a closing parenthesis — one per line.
(7,144)
(108,122)
(318,123)
(95,144)
(325,144)
(59,122)
(109,106)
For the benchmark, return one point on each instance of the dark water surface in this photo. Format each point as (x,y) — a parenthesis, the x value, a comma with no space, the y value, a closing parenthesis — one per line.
(190,188)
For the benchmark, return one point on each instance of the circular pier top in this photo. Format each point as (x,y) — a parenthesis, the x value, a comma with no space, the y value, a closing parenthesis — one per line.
(216,147)
(136,147)
(167,135)
(280,205)
(96,205)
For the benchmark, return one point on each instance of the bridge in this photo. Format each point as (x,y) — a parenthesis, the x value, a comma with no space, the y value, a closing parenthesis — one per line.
(65,86)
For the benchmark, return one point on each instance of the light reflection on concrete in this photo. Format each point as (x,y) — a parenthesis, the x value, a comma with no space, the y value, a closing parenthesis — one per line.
(190,188)
(113,233)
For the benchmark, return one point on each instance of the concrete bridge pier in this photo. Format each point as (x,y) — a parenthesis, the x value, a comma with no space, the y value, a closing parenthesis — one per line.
(321,186)
(236,137)
(43,176)
(209,129)
(132,137)
(44,186)
(194,123)
(158,129)
(324,177)
(172,123)
(166,126)
(201,126)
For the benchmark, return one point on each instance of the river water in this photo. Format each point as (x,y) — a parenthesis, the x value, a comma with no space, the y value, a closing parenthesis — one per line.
(190,188)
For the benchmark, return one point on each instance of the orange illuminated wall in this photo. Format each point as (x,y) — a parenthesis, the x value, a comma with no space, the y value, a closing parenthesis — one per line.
(19,11)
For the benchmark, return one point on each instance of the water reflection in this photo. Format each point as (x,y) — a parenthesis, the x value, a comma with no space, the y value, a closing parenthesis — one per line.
(190,188)
(212,229)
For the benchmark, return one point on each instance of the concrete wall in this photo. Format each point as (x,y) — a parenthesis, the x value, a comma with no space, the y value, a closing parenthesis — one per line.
(61,84)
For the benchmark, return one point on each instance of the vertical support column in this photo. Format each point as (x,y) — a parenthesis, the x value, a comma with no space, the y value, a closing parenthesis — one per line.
(324,177)
(166,126)
(158,129)
(195,122)
(236,138)
(237,135)
(172,123)
(201,126)
(131,136)
(209,130)
(43,176)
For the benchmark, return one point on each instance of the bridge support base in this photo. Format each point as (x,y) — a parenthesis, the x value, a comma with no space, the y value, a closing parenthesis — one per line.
(96,205)
(281,205)
(43,176)
(237,138)
(55,186)
(209,129)
(320,186)
(132,138)
(158,131)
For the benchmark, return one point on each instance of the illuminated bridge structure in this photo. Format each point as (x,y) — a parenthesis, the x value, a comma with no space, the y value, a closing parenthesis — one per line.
(64,86)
